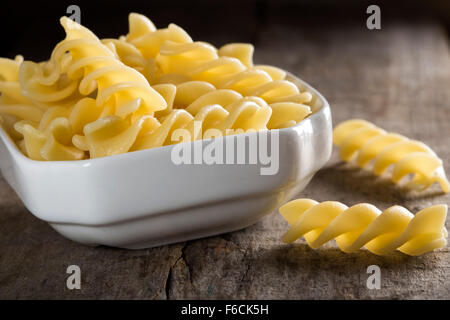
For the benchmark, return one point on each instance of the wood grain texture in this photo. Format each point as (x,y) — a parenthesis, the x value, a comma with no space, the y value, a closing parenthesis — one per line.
(398,78)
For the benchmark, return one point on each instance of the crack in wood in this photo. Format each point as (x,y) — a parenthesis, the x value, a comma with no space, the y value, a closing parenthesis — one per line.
(168,284)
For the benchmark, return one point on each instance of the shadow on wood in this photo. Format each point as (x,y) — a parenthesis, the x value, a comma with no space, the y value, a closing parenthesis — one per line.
(346,177)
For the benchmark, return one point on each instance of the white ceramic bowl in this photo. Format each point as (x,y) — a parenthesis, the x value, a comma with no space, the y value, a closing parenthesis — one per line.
(142,199)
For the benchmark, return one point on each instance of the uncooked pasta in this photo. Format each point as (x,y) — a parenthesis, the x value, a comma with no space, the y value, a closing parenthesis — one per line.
(101,97)
(381,232)
(365,142)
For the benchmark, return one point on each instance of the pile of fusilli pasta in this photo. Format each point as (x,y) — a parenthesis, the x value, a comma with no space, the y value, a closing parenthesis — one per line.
(96,98)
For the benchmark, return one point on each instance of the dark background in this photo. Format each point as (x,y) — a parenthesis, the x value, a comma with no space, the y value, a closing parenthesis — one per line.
(32,29)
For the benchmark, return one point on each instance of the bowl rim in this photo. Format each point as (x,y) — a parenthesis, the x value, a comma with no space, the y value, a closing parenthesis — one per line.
(19,156)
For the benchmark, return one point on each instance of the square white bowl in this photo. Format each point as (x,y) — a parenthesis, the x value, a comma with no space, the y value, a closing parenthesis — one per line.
(142,199)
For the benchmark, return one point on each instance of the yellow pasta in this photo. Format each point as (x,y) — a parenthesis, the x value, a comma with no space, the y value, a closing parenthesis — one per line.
(144,35)
(238,117)
(381,232)
(241,51)
(132,57)
(366,142)
(201,61)
(230,67)
(92,66)
(52,144)
(13,105)
(9,81)
(193,95)
(96,98)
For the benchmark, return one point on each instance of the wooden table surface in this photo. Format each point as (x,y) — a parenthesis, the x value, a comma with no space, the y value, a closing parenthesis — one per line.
(397,77)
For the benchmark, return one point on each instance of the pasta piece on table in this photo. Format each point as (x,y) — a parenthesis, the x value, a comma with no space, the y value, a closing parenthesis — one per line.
(365,142)
(381,232)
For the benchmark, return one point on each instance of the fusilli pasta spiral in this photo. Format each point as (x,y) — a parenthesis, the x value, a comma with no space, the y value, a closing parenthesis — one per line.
(96,98)
(222,114)
(367,142)
(201,62)
(13,105)
(95,66)
(145,37)
(363,224)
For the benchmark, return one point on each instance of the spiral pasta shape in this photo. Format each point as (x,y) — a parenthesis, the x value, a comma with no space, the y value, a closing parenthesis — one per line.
(178,60)
(381,232)
(132,57)
(148,40)
(13,105)
(9,81)
(200,62)
(211,120)
(96,98)
(225,111)
(53,143)
(193,95)
(366,142)
(92,67)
